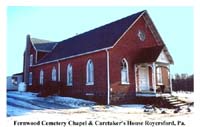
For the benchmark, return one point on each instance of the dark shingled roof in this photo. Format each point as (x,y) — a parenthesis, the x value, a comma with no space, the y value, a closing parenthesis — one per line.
(43,45)
(99,38)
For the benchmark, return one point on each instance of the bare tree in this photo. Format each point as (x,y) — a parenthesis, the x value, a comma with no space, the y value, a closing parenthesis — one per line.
(183,82)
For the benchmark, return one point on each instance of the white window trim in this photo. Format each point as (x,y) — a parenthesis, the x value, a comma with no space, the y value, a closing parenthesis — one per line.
(31,60)
(54,74)
(41,77)
(159,83)
(87,73)
(127,73)
(125,83)
(90,83)
(30,77)
(68,69)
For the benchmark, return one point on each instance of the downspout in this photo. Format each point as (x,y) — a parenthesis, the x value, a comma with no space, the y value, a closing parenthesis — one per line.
(58,71)
(108,77)
(59,87)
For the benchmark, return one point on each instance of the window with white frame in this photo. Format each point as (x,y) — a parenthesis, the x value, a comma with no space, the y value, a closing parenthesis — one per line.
(30,78)
(53,74)
(159,76)
(90,73)
(41,77)
(69,75)
(124,72)
(31,60)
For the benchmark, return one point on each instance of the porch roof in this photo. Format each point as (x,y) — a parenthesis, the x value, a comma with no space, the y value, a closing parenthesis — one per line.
(148,54)
(151,54)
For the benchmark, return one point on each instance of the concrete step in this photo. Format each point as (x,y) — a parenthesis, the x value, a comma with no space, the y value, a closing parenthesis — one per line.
(181,104)
(176,102)
(172,100)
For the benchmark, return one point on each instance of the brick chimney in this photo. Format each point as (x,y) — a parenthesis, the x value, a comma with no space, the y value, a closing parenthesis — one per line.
(27,59)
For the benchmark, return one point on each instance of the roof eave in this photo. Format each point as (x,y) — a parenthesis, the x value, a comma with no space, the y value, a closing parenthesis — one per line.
(73,56)
(129,28)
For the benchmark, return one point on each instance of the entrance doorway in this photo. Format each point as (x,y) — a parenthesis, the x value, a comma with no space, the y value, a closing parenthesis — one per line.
(143,79)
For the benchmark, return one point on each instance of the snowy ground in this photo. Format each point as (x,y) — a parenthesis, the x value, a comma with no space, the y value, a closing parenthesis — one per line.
(23,107)
(186,96)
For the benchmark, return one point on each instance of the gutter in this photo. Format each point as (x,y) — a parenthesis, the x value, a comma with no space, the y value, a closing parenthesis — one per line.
(73,56)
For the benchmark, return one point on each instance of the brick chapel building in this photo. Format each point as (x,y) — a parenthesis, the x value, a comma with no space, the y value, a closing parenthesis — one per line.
(111,64)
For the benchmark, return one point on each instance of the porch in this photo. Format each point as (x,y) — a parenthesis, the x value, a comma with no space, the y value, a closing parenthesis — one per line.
(153,78)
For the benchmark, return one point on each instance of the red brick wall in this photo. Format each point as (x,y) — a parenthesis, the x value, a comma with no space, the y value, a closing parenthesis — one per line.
(79,87)
(127,47)
(165,78)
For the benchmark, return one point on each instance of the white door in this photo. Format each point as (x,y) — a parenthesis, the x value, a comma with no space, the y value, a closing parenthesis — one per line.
(143,79)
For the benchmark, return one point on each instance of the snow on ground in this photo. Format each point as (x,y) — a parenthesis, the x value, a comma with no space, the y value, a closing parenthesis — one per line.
(183,94)
(13,110)
(26,106)
(29,101)
(24,95)
(186,96)
(70,101)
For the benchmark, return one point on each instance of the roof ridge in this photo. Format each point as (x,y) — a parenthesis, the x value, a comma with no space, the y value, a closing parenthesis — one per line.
(38,39)
(43,45)
(92,40)
(107,24)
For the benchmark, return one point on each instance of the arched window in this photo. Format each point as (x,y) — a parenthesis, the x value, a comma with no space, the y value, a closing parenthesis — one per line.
(90,73)
(124,72)
(69,75)
(31,60)
(41,77)
(53,74)
(30,78)
(159,76)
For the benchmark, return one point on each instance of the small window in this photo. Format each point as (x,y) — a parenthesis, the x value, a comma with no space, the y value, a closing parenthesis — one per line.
(124,72)
(159,76)
(41,77)
(90,73)
(31,60)
(141,35)
(69,75)
(53,74)
(30,78)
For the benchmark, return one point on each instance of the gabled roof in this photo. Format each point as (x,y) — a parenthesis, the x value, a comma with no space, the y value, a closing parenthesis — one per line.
(100,38)
(96,39)
(43,45)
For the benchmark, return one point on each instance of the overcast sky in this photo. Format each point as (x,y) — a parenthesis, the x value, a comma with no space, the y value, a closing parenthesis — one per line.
(175,25)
